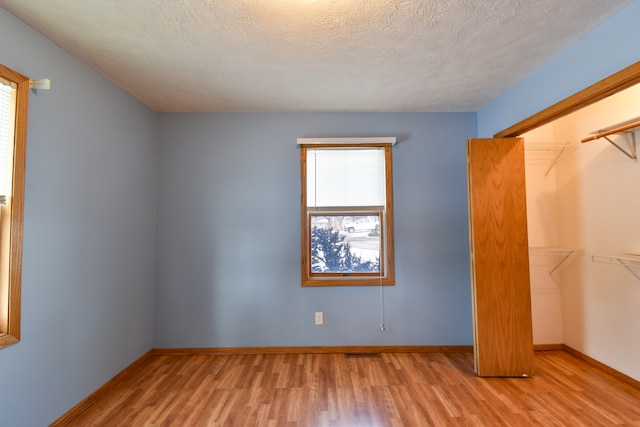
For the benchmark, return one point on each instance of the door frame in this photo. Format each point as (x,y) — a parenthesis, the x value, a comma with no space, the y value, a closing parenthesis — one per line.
(611,85)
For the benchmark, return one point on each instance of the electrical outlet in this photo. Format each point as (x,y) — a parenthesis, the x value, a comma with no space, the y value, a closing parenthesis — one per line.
(319,318)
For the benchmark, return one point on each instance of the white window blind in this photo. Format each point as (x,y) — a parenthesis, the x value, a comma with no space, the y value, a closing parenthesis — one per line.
(346,177)
(7,124)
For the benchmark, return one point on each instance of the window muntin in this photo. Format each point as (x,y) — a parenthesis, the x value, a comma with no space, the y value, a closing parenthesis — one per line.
(347,216)
(14,96)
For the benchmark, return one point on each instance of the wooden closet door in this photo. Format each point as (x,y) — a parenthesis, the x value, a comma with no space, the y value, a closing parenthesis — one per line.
(501,295)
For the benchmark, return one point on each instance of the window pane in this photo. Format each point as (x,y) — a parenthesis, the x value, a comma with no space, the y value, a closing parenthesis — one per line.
(345,243)
(345,177)
(7,121)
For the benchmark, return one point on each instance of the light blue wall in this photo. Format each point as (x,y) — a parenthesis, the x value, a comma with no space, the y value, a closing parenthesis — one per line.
(604,51)
(228,259)
(228,245)
(87,289)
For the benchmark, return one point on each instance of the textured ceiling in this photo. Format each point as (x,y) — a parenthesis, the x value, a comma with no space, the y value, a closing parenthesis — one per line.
(314,55)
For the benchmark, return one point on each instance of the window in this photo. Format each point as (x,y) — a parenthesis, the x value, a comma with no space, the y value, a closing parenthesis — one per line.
(347,212)
(14,96)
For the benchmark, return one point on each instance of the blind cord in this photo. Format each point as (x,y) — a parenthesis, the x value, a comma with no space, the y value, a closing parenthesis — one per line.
(382,222)
(381,305)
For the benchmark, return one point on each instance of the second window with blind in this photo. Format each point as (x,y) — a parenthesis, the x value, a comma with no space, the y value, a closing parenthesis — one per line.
(347,212)
(14,98)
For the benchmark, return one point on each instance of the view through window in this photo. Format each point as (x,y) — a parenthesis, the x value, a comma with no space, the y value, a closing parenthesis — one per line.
(345,243)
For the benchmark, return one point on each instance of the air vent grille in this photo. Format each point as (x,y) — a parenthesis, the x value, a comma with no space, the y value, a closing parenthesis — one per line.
(361,355)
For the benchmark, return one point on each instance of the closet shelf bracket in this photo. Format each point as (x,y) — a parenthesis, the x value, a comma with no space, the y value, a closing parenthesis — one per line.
(632,153)
(628,261)
(629,130)
(555,160)
(554,151)
(562,253)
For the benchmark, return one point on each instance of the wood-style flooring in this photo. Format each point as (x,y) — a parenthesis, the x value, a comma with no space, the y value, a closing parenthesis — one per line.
(394,389)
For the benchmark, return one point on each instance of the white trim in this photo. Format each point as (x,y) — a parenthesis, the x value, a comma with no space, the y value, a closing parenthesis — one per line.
(44,84)
(347,141)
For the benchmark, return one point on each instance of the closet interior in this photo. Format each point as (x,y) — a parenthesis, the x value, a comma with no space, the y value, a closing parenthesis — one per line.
(583,217)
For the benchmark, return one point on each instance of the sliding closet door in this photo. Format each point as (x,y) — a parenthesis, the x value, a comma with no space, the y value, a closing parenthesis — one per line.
(503,337)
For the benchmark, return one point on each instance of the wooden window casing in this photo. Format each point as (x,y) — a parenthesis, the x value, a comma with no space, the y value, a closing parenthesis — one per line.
(386,276)
(11,218)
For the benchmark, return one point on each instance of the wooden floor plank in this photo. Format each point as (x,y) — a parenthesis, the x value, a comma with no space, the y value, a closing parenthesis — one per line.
(395,389)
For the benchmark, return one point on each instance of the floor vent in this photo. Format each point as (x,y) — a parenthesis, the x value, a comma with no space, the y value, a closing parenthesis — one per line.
(361,355)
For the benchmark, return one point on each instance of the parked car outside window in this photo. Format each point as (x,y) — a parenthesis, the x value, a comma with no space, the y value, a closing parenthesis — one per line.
(362,224)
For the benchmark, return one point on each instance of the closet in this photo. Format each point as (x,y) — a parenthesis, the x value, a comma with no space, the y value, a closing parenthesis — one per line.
(584,233)
(583,205)
(582,229)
